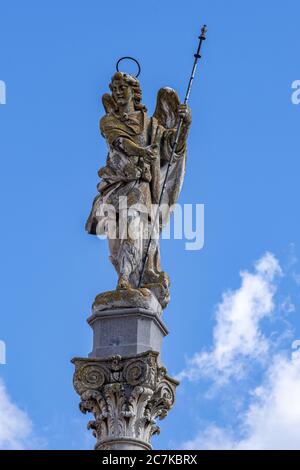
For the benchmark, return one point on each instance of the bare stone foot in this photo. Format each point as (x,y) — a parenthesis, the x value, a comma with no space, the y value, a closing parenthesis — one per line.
(164,279)
(123,283)
(151,277)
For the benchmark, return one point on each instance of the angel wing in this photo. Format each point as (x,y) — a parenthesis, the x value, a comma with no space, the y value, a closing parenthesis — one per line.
(166,114)
(166,111)
(108,103)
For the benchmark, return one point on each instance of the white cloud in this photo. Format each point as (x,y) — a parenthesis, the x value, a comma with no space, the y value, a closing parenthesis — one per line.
(272,419)
(287,306)
(15,425)
(237,336)
(267,416)
(211,438)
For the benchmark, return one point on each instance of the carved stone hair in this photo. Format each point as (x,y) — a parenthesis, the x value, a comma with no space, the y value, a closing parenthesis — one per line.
(134,84)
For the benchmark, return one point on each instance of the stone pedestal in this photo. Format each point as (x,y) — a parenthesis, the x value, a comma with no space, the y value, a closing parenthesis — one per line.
(126,323)
(123,382)
(126,332)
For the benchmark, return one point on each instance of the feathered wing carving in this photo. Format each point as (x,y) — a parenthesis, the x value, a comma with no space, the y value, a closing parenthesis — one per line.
(166,115)
(108,103)
(166,111)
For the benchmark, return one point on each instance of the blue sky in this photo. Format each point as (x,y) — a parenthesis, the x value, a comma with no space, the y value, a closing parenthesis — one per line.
(56,59)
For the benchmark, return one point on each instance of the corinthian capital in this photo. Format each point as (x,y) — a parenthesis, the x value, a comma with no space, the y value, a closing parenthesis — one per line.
(126,395)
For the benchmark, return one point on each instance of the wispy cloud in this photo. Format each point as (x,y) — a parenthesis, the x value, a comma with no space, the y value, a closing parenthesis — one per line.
(272,419)
(16,429)
(266,415)
(237,336)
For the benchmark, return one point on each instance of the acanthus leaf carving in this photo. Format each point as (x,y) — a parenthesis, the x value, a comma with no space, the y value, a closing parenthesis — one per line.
(126,396)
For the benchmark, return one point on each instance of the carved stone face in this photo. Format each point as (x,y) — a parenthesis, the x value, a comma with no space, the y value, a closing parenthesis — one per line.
(122,92)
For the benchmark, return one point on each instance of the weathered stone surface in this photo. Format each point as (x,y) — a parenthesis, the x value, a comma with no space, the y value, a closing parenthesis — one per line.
(123,383)
(126,332)
(126,299)
(126,395)
(125,209)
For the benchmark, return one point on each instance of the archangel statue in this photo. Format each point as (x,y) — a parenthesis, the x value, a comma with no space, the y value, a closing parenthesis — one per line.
(139,149)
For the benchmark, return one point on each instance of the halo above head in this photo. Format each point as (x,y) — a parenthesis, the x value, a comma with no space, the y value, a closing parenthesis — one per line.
(133,60)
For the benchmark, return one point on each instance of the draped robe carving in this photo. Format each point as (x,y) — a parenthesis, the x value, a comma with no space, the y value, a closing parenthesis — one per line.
(139,149)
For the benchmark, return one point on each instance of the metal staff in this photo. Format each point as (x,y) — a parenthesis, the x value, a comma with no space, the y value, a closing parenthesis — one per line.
(197,56)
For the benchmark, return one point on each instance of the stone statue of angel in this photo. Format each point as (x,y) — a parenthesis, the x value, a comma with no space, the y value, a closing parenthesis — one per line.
(139,149)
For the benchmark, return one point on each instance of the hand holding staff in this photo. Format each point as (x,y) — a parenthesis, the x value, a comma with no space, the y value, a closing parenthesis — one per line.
(197,56)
